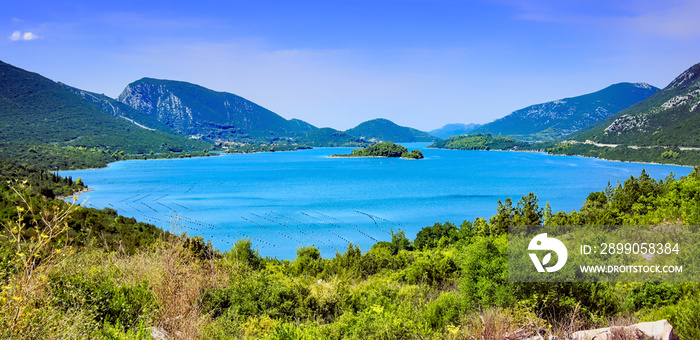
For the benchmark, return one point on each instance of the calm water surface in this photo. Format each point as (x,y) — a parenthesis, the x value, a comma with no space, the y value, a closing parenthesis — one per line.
(283,201)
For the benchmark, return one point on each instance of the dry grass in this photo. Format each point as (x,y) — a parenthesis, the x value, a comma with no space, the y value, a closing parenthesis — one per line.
(570,323)
(498,324)
(23,298)
(176,279)
(174,275)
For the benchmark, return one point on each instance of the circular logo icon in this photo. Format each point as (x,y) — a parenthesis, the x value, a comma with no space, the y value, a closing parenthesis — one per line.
(542,242)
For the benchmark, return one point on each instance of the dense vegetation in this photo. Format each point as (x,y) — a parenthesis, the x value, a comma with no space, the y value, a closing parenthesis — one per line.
(46,156)
(387,149)
(556,119)
(327,137)
(666,155)
(384,130)
(100,275)
(254,148)
(478,141)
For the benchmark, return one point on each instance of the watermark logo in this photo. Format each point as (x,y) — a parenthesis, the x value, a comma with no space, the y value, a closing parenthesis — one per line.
(542,242)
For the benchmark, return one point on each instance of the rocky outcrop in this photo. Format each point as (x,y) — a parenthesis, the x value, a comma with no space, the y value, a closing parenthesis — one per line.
(193,110)
(158,333)
(657,330)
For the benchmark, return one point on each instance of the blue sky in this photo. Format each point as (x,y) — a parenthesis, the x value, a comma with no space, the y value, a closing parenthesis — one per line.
(338,63)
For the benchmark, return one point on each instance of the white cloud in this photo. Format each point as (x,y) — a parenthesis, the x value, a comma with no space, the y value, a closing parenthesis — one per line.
(26,36)
(16,35)
(30,36)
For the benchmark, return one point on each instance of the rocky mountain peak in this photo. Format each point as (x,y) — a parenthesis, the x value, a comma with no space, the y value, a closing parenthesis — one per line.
(687,78)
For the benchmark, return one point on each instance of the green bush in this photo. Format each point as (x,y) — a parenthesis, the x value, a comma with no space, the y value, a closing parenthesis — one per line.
(443,311)
(653,294)
(110,303)
(433,268)
(484,266)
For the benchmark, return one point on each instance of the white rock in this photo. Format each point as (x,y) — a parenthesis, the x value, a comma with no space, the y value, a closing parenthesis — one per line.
(657,330)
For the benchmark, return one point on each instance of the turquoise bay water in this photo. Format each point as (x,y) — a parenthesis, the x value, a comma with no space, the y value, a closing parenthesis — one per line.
(283,201)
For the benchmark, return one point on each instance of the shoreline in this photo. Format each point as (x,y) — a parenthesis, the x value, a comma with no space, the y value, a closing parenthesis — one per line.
(74,194)
(343,156)
(554,154)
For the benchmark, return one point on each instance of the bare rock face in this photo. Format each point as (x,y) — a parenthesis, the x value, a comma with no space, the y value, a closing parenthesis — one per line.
(657,330)
(158,333)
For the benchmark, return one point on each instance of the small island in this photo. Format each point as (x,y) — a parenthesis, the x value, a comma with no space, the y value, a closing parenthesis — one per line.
(386,149)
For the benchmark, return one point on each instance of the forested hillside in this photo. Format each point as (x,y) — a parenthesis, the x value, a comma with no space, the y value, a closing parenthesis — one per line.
(43,121)
(478,141)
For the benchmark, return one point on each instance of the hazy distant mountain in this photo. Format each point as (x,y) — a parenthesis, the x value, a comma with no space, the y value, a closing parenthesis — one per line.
(35,109)
(450,130)
(559,118)
(191,109)
(671,117)
(384,130)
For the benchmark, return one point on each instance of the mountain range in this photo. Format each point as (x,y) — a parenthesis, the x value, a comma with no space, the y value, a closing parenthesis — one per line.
(563,117)
(670,117)
(192,110)
(35,109)
(154,115)
(456,129)
(41,118)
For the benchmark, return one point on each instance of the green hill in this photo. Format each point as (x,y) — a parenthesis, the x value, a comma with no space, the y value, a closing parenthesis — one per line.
(384,130)
(559,118)
(40,118)
(327,137)
(670,117)
(478,141)
(193,110)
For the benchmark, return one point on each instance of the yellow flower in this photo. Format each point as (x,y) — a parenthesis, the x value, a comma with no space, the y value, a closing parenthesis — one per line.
(452,329)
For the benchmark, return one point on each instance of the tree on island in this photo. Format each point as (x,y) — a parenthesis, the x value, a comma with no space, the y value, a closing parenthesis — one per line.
(387,149)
